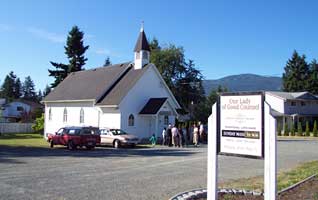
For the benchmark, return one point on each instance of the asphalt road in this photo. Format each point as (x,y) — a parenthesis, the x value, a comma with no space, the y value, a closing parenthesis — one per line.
(137,174)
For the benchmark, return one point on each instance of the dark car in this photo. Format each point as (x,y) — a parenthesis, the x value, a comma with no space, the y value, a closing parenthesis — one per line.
(74,137)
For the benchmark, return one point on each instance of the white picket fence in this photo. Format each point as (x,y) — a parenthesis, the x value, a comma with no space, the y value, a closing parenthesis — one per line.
(16,127)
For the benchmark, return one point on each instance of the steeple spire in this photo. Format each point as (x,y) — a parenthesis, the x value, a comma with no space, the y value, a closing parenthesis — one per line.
(142,49)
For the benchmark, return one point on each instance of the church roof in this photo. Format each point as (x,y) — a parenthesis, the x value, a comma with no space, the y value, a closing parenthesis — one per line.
(153,106)
(142,43)
(105,85)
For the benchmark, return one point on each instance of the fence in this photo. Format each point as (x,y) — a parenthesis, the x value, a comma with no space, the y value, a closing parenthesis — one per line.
(16,128)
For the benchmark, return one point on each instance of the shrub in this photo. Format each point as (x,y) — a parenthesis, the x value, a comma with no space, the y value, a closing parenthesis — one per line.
(307,131)
(279,130)
(292,130)
(299,129)
(314,131)
(39,124)
(286,131)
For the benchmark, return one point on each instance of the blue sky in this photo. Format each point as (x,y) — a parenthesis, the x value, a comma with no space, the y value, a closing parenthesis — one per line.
(222,37)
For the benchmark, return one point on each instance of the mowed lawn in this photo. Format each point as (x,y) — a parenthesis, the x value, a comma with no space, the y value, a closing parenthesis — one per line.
(23,140)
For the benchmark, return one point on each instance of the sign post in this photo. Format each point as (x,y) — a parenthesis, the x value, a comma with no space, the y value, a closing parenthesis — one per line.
(241,125)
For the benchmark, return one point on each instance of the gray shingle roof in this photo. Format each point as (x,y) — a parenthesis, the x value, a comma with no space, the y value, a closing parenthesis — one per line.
(88,84)
(294,95)
(153,106)
(142,43)
(105,85)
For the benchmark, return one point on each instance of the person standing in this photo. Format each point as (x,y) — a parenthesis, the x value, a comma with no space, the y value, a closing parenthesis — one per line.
(201,130)
(174,132)
(169,134)
(181,140)
(195,135)
(164,136)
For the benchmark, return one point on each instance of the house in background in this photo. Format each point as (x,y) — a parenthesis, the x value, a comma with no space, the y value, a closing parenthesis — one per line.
(13,111)
(131,96)
(293,107)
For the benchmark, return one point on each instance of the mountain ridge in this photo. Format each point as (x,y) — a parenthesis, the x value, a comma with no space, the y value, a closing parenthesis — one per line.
(244,82)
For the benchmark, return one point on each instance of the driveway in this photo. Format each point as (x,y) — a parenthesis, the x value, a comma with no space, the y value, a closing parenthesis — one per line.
(106,173)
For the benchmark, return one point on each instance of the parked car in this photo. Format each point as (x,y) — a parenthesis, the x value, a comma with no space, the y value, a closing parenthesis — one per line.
(117,138)
(74,137)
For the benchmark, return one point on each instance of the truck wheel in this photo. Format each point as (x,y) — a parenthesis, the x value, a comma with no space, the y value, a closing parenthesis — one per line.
(70,145)
(90,147)
(51,144)
(116,144)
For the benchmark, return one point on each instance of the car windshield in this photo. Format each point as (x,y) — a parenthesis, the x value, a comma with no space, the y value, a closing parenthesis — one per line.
(118,132)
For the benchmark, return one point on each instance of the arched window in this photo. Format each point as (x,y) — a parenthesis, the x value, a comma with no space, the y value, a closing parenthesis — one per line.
(131,120)
(50,114)
(65,115)
(82,116)
(166,120)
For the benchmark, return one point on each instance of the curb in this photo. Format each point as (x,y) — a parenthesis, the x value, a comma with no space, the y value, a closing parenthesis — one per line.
(296,184)
(202,193)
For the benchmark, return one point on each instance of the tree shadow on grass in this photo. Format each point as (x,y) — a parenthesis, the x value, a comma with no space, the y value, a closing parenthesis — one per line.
(8,153)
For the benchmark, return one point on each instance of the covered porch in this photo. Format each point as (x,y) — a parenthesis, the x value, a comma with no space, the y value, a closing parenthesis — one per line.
(159,113)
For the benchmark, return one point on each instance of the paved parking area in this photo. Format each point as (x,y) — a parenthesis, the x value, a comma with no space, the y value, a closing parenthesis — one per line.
(106,173)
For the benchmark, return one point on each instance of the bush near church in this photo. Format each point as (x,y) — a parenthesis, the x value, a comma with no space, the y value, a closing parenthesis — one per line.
(286,131)
(299,129)
(314,131)
(292,130)
(307,131)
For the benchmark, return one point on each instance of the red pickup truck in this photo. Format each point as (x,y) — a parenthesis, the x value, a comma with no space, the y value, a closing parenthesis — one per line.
(74,137)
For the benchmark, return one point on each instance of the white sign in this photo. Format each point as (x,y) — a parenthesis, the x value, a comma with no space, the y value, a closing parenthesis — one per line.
(241,125)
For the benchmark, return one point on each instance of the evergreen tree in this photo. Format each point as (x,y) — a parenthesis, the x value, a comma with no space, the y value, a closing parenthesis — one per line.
(107,62)
(17,88)
(46,91)
(74,50)
(279,130)
(286,131)
(292,130)
(28,89)
(39,96)
(8,87)
(314,131)
(299,129)
(295,77)
(313,79)
(307,130)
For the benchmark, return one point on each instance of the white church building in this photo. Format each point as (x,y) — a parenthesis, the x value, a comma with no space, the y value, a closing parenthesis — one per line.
(131,96)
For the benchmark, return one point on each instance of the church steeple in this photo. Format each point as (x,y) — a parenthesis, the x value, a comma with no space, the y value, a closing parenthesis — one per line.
(142,50)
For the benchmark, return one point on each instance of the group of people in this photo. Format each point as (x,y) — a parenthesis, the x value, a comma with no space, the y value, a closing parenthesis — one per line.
(178,137)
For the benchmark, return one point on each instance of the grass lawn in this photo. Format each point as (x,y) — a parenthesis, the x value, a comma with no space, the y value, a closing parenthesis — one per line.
(23,140)
(284,179)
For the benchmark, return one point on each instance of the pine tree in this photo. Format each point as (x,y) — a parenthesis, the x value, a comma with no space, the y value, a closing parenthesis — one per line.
(28,89)
(17,88)
(8,87)
(74,50)
(313,79)
(39,96)
(279,130)
(286,131)
(314,131)
(107,62)
(46,91)
(299,129)
(295,77)
(292,130)
(307,130)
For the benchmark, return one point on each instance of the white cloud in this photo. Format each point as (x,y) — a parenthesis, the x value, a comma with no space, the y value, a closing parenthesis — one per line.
(5,27)
(53,37)
(102,52)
